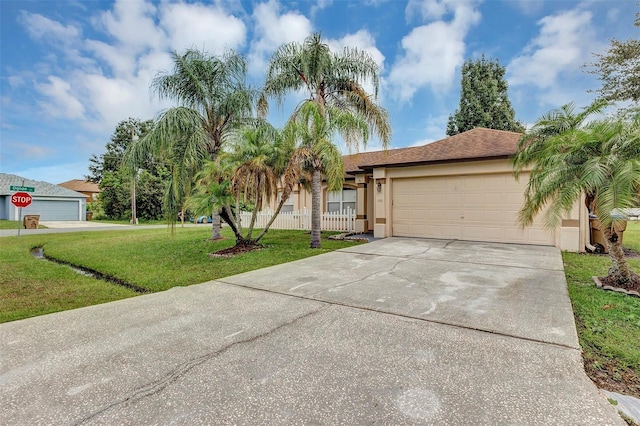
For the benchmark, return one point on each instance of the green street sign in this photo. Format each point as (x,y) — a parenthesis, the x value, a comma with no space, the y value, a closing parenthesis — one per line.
(22,188)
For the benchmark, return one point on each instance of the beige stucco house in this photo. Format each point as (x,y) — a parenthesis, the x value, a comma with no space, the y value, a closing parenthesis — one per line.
(461,187)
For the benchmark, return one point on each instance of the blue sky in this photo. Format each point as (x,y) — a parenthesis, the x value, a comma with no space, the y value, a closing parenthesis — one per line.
(71,70)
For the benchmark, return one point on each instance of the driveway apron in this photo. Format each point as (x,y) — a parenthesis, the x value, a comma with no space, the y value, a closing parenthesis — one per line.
(398,331)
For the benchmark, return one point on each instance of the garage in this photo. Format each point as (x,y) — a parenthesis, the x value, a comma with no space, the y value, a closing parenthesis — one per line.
(458,188)
(54,209)
(481,207)
(50,202)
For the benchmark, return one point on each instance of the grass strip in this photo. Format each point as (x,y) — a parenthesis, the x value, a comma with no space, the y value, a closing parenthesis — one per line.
(154,259)
(608,323)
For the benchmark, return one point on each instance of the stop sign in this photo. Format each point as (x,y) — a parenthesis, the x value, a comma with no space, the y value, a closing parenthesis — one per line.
(21,199)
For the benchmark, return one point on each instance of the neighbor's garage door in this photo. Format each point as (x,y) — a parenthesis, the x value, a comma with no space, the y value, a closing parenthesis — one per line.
(53,209)
(473,207)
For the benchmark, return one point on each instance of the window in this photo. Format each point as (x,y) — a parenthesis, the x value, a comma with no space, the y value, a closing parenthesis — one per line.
(338,201)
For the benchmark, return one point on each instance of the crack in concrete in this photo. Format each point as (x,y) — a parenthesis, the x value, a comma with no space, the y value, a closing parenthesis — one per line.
(414,256)
(396,314)
(373,274)
(181,370)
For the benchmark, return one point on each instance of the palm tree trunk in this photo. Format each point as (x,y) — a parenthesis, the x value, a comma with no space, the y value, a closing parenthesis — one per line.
(229,217)
(316,192)
(286,192)
(619,268)
(215,226)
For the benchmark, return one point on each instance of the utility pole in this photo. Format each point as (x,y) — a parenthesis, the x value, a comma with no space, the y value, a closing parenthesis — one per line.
(134,219)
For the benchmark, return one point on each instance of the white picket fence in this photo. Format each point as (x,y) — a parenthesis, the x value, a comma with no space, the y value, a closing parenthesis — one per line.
(301,219)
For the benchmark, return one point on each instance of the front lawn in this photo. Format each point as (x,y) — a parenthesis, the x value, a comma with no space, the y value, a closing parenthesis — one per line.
(13,224)
(153,259)
(608,323)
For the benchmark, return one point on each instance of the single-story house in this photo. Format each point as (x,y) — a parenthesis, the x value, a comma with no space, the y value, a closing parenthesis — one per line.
(51,202)
(461,187)
(90,189)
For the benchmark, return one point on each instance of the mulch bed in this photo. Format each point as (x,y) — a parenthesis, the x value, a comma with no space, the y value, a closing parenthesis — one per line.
(607,283)
(236,250)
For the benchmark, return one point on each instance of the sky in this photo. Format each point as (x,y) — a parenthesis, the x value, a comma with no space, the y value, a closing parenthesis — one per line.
(71,70)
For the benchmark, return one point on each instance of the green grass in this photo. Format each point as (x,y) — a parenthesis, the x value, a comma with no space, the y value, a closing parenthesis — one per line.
(128,221)
(150,258)
(13,224)
(608,323)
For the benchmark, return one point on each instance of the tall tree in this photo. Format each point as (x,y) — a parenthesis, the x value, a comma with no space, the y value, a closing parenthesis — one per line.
(483,99)
(115,181)
(213,100)
(334,85)
(111,160)
(569,156)
(619,70)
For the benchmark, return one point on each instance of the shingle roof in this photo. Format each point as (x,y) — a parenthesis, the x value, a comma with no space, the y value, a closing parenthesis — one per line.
(80,185)
(352,161)
(41,188)
(479,143)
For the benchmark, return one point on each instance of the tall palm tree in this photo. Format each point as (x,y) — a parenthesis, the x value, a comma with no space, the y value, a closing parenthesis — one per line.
(334,84)
(570,156)
(213,100)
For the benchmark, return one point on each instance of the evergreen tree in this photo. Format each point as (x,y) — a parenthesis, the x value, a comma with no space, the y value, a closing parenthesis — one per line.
(114,150)
(115,180)
(483,99)
(619,70)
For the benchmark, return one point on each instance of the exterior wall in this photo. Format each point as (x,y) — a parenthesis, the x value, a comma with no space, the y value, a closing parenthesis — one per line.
(569,236)
(381,208)
(302,198)
(4,207)
(362,221)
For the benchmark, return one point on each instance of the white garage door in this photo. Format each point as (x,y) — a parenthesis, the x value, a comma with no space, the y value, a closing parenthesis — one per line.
(54,209)
(473,207)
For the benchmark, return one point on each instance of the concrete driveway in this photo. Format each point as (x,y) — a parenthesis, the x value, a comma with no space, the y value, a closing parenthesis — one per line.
(398,331)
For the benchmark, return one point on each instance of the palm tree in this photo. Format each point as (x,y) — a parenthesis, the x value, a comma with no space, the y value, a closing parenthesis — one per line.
(212,101)
(570,156)
(256,162)
(333,82)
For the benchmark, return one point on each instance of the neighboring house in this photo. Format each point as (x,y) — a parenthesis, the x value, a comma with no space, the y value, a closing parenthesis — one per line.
(51,202)
(90,189)
(461,187)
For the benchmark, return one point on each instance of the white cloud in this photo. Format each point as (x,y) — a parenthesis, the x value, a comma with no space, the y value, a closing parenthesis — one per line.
(563,45)
(432,52)
(132,24)
(362,40)
(427,9)
(207,28)
(42,28)
(273,29)
(320,4)
(116,99)
(60,101)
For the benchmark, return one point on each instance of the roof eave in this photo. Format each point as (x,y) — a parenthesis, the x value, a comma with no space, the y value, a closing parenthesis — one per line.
(425,163)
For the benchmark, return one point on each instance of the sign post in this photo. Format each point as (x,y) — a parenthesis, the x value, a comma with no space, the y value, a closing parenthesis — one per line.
(21,199)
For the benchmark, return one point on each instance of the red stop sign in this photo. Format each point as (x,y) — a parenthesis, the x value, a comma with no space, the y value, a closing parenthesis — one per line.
(21,199)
